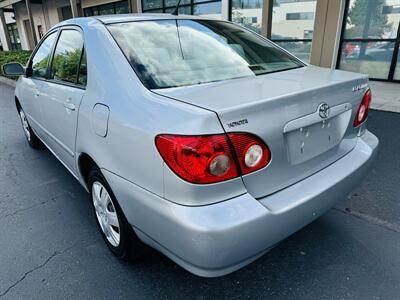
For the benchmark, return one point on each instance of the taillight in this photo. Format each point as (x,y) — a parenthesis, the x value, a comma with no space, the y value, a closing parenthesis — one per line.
(362,112)
(198,159)
(209,158)
(251,152)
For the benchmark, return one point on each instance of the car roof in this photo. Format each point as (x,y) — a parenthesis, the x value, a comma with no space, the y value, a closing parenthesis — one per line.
(110,19)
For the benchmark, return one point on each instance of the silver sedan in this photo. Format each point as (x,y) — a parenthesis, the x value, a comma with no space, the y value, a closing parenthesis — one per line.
(194,136)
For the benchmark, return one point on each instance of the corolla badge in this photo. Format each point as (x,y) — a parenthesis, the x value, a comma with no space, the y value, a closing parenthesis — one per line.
(324,110)
(359,87)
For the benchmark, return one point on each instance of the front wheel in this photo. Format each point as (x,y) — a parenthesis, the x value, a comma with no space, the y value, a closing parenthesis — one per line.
(31,137)
(116,231)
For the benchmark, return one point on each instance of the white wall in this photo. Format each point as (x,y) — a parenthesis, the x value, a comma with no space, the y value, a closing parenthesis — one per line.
(292,28)
(38,17)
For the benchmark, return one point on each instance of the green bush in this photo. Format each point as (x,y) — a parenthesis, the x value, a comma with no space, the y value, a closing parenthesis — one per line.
(14,56)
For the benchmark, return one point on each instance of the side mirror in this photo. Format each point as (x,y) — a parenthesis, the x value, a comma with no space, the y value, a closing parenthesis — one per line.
(13,69)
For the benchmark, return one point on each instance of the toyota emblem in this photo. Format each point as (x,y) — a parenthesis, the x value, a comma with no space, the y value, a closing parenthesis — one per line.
(324,110)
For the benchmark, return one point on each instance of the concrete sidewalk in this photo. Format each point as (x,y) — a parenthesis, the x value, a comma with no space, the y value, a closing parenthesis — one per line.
(385,96)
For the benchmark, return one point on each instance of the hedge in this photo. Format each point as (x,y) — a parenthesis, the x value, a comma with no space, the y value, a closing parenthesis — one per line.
(14,56)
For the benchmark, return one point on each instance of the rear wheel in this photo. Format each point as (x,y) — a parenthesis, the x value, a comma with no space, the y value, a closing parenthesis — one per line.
(31,137)
(116,231)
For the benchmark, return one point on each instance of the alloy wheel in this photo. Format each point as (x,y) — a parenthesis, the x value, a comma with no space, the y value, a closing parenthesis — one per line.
(106,213)
(25,124)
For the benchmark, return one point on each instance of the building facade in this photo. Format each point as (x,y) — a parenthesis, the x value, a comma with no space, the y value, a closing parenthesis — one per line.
(355,35)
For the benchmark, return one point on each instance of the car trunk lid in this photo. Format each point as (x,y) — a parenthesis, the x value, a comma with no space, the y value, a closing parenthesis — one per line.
(304,115)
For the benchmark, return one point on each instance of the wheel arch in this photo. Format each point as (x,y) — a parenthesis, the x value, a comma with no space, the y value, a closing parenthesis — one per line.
(85,164)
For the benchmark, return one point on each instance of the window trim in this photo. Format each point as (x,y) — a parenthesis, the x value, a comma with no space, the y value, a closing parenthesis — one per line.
(30,61)
(57,31)
(66,83)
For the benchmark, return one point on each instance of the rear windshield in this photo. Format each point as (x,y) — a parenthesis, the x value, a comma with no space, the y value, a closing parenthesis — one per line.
(172,53)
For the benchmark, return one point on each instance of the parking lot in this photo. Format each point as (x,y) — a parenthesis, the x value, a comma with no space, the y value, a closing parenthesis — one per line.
(50,247)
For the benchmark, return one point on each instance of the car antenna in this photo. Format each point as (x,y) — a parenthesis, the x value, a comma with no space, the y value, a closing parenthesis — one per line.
(175,12)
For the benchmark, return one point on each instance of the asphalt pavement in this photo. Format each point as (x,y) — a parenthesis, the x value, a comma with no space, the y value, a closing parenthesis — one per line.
(50,247)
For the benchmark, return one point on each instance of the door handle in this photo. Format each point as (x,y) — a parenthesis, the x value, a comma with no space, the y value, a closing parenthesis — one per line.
(69,105)
(37,93)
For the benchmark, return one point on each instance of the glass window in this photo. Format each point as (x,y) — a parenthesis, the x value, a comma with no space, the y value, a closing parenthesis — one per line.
(41,59)
(182,10)
(173,3)
(187,7)
(371,58)
(248,13)
(120,7)
(107,9)
(186,52)
(293,19)
(152,4)
(82,76)
(371,19)
(370,37)
(293,26)
(212,9)
(301,50)
(67,56)
(300,16)
(157,11)
(14,36)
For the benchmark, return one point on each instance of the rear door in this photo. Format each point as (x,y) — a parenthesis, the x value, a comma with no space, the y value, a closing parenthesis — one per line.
(62,94)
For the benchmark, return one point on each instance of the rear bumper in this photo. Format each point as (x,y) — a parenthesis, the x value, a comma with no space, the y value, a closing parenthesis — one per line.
(217,239)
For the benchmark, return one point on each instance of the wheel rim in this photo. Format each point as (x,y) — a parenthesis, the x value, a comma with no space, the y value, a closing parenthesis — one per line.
(106,213)
(25,124)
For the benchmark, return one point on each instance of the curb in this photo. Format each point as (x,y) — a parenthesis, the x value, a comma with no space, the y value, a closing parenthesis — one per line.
(8,81)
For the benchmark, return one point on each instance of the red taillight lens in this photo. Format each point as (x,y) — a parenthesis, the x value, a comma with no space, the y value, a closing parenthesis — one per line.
(198,159)
(251,152)
(362,112)
(209,159)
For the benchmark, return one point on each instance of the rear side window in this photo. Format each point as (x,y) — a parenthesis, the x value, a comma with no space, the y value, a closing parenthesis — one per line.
(67,56)
(83,70)
(40,60)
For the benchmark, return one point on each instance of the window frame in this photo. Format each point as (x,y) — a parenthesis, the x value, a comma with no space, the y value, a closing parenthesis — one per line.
(396,42)
(11,30)
(66,83)
(30,61)
(57,31)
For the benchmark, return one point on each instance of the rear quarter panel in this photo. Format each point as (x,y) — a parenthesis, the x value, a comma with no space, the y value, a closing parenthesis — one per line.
(136,117)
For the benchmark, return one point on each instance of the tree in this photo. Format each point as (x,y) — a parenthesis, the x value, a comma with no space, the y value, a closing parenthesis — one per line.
(365,19)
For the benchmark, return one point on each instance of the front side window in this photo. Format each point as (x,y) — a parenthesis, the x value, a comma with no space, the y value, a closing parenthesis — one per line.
(41,58)
(67,56)
(171,53)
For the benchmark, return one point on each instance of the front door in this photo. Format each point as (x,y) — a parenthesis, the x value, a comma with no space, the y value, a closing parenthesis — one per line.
(62,95)
(31,86)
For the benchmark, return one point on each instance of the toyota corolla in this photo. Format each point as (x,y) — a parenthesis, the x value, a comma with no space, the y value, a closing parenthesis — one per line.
(194,136)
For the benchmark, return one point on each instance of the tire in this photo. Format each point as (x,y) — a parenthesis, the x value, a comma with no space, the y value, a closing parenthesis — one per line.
(115,229)
(30,136)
